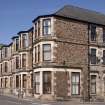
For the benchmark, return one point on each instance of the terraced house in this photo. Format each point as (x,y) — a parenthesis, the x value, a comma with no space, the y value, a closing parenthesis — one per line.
(62,55)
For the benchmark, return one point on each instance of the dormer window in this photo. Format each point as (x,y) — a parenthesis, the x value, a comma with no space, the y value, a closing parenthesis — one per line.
(47,27)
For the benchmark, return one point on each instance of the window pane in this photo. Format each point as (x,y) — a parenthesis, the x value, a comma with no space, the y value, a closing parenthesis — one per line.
(47,47)
(77,89)
(73,89)
(73,79)
(47,22)
(45,30)
(47,56)
(93,52)
(37,79)
(77,79)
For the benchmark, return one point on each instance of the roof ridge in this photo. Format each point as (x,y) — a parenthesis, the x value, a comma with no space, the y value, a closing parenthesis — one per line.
(83,14)
(74,6)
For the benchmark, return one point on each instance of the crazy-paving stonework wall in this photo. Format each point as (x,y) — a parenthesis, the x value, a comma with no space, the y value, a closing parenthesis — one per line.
(30,51)
(72,48)
(61,84)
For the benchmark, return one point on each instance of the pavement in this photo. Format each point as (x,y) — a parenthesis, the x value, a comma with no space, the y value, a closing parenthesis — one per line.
(10,100)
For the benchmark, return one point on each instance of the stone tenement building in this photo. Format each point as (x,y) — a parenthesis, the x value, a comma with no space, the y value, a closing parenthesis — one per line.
(62,55)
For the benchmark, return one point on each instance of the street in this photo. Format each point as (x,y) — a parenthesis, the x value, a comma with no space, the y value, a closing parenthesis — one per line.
(4,100)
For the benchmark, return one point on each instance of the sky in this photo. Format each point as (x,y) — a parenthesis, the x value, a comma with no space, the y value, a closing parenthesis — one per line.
(17,15)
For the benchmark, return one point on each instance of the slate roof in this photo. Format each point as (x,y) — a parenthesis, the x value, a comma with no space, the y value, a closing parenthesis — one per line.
(3,45)
(14,37)
(81,14)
